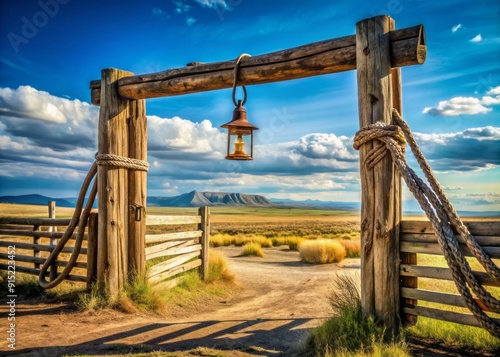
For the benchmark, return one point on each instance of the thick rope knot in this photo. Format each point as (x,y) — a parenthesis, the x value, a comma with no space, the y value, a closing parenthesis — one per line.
(440,212)
(121,161)
(383,133)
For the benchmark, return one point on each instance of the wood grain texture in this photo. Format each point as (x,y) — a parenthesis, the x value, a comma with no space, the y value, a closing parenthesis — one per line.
(172,220)
(324,57)
(441,273)
(112,266)
(380,186)
(476,228)
(461,318)
(204,226)
(165,237)
(137,185)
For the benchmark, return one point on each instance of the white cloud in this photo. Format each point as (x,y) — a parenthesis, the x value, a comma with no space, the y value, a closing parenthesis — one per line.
(325,146)
(458,106)
(212,4)
(27,102)
(476,39)
(182,139)
(456,28)
(466,105)
(494,91)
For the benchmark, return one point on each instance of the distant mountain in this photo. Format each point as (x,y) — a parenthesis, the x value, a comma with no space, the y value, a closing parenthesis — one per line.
(35,200)
(198,199)
(317,204)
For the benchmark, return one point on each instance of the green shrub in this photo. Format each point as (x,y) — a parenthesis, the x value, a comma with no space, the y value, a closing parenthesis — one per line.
(253,249)
(349,332)
(322,251)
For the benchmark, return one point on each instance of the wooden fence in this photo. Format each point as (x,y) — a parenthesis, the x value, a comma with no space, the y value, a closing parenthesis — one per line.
(169,254)
(417,237)
(35,238)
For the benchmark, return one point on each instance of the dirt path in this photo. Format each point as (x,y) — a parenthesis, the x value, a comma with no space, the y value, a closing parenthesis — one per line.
(277,300)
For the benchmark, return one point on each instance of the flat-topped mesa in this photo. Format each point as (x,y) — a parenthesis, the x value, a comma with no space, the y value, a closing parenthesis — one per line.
(407,47)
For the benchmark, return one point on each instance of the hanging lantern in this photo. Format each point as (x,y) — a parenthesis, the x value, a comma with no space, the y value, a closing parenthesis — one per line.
(239,130)
(239,135)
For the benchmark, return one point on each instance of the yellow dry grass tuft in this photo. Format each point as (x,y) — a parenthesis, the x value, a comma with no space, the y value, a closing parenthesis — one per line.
(253,249)
(352,247)
(322,251)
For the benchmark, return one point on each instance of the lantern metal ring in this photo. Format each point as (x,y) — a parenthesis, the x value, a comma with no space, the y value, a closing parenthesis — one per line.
(239,130)
(236,68)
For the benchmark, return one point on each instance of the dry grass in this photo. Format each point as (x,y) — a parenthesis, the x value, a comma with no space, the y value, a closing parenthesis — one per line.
(218,268)
(253,249)
(294,243)
(352,247)
(322,251)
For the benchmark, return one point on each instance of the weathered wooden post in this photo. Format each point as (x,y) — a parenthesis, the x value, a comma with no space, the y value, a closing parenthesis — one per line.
(92,234)
(204,226)
(380,186)
(53,241)
(115,250)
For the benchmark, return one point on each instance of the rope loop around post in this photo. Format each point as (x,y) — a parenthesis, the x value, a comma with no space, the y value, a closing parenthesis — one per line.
(440,212)
(121,161)
(81,215)
(236,68)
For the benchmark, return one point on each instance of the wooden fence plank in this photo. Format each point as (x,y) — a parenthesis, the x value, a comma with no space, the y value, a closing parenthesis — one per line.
(38,234)
(165,237)
(476,228)
(40,260)
(433,296)
(171,263)
(493,241)
(174,271)
(172,220)
(440,273)
(161,250)
(435,249)
(40,247)
(35,221)
(461,318)
(33,271)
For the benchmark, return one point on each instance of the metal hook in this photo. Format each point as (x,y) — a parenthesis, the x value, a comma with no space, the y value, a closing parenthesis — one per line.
(236,67)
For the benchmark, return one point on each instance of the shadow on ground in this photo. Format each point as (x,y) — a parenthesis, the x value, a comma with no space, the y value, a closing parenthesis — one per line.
(257,337)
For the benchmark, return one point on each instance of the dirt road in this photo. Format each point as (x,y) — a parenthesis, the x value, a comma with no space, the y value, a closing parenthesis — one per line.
(277,300)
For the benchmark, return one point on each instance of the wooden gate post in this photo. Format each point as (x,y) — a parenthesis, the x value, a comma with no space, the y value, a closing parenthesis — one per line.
(116,114)
(204,226)
(380,186)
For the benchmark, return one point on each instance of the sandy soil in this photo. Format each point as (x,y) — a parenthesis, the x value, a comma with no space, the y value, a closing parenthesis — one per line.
(276,301)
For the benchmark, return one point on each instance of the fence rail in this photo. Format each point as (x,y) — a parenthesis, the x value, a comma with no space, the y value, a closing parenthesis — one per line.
(176,252)
(35,238)
(417,237)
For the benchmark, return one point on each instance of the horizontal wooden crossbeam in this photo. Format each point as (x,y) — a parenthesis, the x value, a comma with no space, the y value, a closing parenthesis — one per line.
(407,47)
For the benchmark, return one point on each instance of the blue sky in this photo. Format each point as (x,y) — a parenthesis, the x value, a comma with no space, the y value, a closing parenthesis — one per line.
(51,49)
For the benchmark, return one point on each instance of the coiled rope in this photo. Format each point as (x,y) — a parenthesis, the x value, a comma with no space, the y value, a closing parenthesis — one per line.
(80,218)
(438,209)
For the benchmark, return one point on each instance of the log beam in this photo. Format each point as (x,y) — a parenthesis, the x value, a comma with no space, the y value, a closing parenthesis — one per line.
(407,47)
